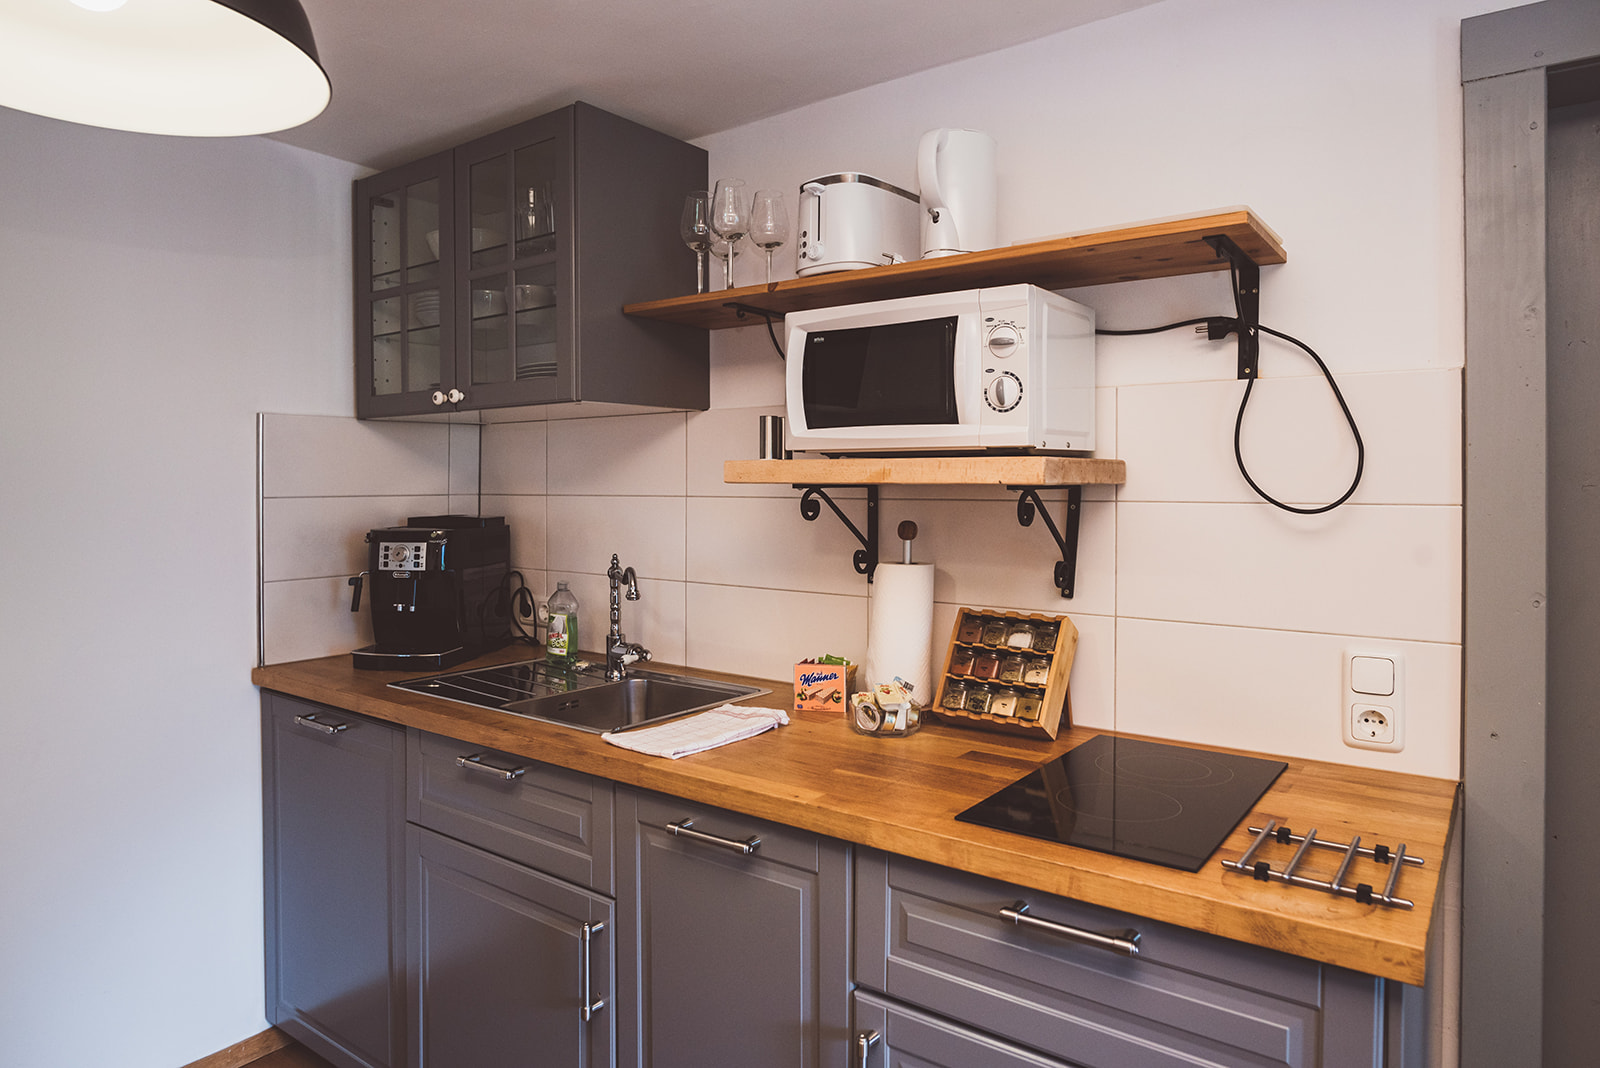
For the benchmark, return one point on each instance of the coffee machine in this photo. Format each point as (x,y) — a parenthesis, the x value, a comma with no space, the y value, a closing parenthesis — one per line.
(437,591)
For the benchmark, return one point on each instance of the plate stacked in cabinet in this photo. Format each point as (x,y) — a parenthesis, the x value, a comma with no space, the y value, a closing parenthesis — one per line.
(1007,671)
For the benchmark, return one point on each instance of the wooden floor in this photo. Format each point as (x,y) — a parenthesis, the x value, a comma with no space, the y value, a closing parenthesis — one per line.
(295,1056)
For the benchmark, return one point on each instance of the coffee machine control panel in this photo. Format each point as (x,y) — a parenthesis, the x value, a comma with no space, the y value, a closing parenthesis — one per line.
(402,556)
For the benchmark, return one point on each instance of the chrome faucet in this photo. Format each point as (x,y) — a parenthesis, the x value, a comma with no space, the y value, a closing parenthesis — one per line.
(619,651)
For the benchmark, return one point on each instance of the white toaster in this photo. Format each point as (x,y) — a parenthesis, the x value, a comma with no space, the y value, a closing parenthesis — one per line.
(854,220)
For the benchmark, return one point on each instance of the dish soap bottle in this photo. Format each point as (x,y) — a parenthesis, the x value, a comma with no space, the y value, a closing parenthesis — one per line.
(561,639)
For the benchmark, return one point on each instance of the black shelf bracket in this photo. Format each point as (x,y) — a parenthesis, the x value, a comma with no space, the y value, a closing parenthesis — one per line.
(1066,538)
(866,557)
(745,310)
(1247,279)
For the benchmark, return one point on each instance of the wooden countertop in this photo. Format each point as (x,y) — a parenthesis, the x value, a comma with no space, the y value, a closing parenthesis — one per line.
(902,796)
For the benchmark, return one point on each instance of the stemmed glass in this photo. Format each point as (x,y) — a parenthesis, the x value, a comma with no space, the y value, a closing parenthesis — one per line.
(730,217)
(769,223)
(695,227)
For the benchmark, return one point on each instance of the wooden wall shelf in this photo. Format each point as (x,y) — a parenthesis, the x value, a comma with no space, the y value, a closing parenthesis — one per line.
(1023,475)
(931,471)
(1148,250)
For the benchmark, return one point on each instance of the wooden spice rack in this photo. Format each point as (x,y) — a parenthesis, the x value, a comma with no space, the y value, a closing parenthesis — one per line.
(1024,475)
(1159,249)
(1053,694)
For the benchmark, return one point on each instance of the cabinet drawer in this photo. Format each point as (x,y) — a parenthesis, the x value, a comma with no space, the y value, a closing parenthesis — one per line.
(886,1035)
(935,938)
(550,819)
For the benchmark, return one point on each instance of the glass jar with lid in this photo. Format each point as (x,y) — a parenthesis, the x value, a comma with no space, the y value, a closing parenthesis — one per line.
(978,698)
(994,632)
(1011,669)
(1019,634)
(1004,702)
(1044,637)
(1036,671)
(1029,708)
(961,661)
(955,696)
(971,629)
(986,665)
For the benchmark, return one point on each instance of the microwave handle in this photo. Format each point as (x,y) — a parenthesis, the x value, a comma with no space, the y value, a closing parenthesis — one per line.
(811,221)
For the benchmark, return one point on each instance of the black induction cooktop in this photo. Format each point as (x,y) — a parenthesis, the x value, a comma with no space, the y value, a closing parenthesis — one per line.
(1166,804)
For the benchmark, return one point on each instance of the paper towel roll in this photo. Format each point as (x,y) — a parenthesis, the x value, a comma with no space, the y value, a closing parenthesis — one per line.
(900,631)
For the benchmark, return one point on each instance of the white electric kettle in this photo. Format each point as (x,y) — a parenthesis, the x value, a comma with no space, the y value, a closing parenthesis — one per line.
(955,175)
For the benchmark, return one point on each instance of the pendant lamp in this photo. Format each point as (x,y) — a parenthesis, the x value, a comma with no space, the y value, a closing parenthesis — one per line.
(196,68)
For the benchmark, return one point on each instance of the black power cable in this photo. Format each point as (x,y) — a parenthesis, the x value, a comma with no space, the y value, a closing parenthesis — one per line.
(1219,327)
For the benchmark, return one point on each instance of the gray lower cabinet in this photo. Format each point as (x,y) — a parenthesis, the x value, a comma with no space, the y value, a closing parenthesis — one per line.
(333,834)
(936,939)
(510,925)
(732,944)
(507,965)
(889,1035)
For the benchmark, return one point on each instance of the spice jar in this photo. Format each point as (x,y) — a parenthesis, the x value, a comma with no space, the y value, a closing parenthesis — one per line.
(1019,635)
(961,662)
(1011,669)
(971,630)
(986,665)
(1044,637)
(1029,708)
(994,632)
(978,698)
(955,696)
(1003,703)
(1036,672)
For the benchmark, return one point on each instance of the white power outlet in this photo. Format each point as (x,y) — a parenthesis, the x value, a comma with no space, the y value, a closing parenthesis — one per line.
(1372,705)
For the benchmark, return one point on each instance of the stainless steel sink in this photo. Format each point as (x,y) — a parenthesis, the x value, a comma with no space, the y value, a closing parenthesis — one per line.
(581,698)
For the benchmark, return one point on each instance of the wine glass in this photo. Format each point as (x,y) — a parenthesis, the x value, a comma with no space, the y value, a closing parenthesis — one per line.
(695,227)
(730,217)
(769,223)
(721,251)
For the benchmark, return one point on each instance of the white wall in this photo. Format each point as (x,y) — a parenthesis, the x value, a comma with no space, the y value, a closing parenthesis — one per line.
(1206,615)
(154,295)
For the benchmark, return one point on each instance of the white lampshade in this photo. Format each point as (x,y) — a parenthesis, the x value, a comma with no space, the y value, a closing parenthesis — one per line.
(197,68)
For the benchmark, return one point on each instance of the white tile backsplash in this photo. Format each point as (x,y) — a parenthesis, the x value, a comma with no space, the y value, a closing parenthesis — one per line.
(1279,692)
(646,534)
(1204,614)
(1391,572)
(334,456)
(307,618)
(322,537)
(619,455)
(763,632)
(514,458)
(1295,441)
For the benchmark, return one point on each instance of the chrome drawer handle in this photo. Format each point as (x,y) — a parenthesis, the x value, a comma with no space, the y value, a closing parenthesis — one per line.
(685,829)
(310,720)
(864,1043)
(476,762)
(590,1007)
(1123,942)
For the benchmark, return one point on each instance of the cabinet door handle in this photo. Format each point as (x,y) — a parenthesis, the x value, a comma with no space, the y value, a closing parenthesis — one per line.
(591,1004)
(439,397)
(1123,942)
(311,720)
(685,829)
(476,762)
(864,1043)
(456,396)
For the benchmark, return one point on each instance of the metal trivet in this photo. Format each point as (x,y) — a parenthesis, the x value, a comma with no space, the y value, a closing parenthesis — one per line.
(1362,892)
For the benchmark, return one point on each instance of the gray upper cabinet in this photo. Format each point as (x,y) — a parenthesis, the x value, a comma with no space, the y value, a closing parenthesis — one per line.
(494,275)
(333,812)
(732,943)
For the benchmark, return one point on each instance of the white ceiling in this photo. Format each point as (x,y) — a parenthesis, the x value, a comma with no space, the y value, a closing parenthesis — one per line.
(411,76)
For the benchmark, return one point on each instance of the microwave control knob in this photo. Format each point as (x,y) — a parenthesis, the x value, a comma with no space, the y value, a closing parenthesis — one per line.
(1003,340)
(1004,392)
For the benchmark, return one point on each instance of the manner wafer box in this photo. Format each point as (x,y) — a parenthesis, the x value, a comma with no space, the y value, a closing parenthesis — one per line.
(823,684)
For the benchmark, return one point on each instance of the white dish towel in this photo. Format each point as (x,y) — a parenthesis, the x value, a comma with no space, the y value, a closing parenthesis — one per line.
(697,733)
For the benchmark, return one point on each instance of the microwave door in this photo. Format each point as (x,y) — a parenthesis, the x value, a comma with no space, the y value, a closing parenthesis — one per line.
(887,375)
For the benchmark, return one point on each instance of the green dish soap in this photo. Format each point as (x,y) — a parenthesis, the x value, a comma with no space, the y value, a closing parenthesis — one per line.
(561,639)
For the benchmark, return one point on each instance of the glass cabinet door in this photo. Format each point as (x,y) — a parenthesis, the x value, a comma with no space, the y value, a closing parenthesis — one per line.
(403,228)
(516,261)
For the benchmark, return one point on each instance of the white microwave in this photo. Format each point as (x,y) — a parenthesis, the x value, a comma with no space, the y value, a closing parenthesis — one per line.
(1005,368)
